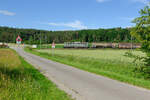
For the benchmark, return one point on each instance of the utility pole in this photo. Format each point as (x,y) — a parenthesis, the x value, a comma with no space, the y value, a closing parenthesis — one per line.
(40,40)
(53,47)
(46,41)
(131,43)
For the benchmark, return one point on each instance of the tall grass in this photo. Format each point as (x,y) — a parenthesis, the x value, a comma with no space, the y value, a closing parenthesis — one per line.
(20,81)
(46,46)
(106,62)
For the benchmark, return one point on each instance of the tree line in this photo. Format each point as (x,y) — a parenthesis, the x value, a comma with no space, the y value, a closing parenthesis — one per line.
(33,36)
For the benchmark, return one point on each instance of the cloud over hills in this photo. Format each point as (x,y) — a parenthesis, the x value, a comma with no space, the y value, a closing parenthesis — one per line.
(76,24)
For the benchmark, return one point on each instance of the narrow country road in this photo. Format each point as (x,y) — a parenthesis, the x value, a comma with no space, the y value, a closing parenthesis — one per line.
(87,85)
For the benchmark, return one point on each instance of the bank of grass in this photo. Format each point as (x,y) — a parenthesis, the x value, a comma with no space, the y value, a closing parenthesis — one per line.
(107,62)
(46,46)
(20,81)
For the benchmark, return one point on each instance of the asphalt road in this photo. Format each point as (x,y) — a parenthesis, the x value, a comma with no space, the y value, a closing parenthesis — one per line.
(87,85)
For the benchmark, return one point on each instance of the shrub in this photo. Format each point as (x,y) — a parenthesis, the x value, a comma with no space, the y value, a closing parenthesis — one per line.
(4,46)
(140,70)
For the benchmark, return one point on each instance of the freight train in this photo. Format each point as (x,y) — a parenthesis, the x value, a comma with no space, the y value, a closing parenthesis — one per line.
(101,45)
(76,45)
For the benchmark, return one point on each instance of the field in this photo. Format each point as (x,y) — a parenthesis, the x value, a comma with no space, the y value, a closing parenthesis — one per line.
(111,63)
(20,81)
(113,55)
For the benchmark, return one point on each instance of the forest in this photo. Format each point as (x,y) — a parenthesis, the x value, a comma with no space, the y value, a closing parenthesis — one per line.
(34,36)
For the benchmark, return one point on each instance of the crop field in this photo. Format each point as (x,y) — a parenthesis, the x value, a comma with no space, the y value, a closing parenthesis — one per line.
(109,55)
(20,81)
(111,63)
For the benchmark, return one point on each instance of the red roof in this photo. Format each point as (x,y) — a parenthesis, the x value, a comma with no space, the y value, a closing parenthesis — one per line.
(18,38)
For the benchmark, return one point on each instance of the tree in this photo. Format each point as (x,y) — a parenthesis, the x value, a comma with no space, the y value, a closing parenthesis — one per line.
(142,29)
(91,35)
(31,40)
(4,37)
(142,33)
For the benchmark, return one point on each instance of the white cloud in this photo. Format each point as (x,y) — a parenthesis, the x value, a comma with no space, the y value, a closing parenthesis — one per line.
(76,24)
(5,12)
(142,1)
(101,1)
(127,18)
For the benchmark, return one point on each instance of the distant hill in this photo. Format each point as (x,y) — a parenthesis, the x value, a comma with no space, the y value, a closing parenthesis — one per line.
(33,36)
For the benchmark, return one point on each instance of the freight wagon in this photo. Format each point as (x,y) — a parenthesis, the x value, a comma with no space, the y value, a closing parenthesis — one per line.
(116,45)
(76,45)
(101,45)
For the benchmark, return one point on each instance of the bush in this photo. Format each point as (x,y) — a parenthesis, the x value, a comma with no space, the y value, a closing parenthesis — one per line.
(140,70)
(30,48)
(144,71)
(4,46)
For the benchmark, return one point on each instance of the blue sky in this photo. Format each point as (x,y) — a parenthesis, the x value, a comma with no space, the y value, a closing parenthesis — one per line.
(69,14)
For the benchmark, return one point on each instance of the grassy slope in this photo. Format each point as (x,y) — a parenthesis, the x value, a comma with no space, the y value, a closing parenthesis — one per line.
(20,81)
(110,63)
(45,46)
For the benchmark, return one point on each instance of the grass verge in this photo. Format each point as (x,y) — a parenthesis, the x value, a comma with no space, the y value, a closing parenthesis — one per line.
(115,70)
(46,46)
(20,81)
